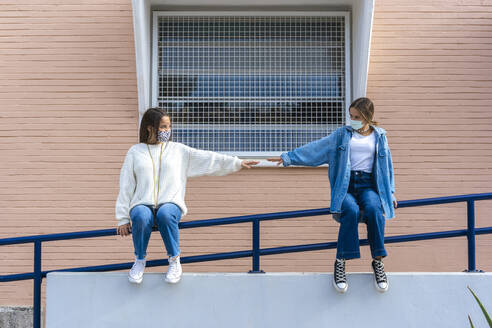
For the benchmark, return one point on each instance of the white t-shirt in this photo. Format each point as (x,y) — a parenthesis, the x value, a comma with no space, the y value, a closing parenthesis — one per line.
(362,149)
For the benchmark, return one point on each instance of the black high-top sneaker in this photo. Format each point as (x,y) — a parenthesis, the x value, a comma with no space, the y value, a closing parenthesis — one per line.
(339,278)
(381,281)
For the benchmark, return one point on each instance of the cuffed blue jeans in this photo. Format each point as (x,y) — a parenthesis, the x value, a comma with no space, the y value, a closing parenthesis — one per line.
(361,196)
(167,220)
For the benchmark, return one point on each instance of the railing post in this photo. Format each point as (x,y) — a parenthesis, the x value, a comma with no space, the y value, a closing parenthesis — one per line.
(37,285)
(470,210)
(256,247)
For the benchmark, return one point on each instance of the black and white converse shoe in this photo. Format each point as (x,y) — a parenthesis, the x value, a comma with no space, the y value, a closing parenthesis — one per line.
(339,278)
(381,281)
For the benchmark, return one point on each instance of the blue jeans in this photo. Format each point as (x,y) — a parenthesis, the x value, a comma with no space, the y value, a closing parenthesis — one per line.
(167,219)
(361,196)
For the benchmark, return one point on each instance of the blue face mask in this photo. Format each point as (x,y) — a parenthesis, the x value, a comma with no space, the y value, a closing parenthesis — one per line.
(356,125)
(163,136)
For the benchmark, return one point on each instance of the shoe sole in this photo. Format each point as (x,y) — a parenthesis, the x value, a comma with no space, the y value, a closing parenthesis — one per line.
(135,281)
(379,289)
(172,281)
(340,290)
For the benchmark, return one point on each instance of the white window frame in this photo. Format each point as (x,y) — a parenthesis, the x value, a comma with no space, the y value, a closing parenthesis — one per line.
(348,58)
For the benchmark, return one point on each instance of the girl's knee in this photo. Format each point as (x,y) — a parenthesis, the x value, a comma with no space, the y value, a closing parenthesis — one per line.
(349,220)
(164,219)
(166,215)
(350,212)
(141,215)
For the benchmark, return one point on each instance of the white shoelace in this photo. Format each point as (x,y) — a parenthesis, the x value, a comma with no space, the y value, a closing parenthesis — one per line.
(340,271)
(379,271)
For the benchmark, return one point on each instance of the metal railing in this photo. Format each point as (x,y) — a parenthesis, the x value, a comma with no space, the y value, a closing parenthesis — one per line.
(37,275)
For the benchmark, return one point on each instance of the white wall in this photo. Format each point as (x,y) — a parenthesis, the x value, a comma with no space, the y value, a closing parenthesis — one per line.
(265,300)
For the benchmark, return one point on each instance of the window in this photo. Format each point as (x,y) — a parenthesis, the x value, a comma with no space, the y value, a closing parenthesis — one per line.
(251,85)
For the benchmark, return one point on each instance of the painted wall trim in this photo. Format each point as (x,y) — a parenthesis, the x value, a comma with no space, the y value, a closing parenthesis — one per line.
(142,36)
(362,19)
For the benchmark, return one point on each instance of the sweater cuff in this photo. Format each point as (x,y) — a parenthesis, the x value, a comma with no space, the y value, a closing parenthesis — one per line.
(285,159)
(123,221)
(237,164)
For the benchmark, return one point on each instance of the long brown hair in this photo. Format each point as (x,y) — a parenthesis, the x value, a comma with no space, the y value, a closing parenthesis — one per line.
(152,117)
(365,108)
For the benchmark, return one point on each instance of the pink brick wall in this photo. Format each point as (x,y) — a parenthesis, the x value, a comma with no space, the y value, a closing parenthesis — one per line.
(68,108)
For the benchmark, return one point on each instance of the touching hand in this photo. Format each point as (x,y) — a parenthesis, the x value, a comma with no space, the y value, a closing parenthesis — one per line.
(124,230)
(248,164)
(395,203)
(276,160)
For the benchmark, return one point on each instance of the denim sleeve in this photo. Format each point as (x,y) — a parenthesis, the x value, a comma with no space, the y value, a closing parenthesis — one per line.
(391,173)
(312,154)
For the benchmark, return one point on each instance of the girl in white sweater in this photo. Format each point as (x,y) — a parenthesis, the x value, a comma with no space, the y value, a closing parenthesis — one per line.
(152,188)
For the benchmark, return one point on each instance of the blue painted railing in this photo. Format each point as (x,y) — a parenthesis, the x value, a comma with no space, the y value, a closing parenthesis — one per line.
(255,252)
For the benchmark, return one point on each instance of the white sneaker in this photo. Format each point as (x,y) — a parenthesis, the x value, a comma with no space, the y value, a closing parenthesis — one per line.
(174,270)
(136,272)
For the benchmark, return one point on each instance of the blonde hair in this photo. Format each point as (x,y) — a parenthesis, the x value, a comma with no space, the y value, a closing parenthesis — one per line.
(366,109)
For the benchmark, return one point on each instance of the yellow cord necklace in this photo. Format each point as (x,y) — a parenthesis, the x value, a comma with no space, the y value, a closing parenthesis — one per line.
(156,191)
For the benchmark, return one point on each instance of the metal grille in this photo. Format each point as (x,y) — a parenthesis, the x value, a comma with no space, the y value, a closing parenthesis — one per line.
(242,84)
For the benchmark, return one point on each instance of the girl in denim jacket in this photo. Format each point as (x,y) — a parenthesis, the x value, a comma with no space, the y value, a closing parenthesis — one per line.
(362,186)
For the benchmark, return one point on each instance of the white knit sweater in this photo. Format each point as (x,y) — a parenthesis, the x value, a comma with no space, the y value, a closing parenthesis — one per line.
(179,162)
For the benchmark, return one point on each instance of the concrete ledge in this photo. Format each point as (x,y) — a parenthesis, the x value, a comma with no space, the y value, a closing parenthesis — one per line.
(265,300)
(16,316)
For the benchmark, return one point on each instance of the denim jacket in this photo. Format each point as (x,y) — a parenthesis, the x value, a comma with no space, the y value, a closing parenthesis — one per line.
(334,150)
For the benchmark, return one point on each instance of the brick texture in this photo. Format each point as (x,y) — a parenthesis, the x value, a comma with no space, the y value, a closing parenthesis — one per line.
(68,108)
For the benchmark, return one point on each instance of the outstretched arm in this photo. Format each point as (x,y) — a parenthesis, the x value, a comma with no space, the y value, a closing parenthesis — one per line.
(204,162)
(314,153)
